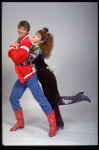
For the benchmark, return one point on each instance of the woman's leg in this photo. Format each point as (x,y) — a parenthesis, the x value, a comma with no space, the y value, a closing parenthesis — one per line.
(49,83)
(59,120)
(66,100)
(49,86)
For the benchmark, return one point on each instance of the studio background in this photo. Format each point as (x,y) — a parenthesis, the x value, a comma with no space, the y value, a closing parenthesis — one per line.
(74,61)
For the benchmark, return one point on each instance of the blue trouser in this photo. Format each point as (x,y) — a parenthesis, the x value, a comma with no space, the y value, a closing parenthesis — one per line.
(33,85)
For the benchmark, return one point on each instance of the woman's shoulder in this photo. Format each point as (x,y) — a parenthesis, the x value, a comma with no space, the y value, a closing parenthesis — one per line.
(36,47)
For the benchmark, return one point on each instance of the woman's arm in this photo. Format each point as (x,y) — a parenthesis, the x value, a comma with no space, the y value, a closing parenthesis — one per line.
(33,55)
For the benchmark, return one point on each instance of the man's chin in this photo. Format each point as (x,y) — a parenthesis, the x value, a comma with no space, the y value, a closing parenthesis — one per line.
(21,35)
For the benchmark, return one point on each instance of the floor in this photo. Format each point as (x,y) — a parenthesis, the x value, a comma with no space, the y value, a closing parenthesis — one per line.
(81,126)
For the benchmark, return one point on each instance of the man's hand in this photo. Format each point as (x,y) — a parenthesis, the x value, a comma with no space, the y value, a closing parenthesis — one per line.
(16,45)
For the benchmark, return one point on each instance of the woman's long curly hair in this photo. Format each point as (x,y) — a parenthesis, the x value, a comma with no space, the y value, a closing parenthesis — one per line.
(47,44)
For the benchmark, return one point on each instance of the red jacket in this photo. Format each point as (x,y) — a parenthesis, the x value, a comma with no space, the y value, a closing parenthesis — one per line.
(24,72)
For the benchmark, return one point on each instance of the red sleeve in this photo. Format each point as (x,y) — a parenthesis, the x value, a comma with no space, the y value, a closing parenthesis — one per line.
(18,56)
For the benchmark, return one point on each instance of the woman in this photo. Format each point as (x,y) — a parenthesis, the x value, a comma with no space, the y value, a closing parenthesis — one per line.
(41,48)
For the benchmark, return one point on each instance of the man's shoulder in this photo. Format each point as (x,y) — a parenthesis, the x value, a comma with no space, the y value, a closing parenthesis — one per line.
(25,41)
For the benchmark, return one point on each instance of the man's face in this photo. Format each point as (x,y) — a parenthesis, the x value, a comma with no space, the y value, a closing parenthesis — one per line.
(22,31)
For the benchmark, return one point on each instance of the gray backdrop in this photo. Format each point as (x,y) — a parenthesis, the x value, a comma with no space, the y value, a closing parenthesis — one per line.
(74,60)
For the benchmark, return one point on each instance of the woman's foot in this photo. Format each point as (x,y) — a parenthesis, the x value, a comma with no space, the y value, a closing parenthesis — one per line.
(59,127)
(80,97)
(85,98)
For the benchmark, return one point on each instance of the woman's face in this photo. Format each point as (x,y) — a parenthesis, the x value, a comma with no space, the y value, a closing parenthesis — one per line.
(36,38)
(22,31)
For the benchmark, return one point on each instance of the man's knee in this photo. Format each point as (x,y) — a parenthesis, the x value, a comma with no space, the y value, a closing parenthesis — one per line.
(10,98)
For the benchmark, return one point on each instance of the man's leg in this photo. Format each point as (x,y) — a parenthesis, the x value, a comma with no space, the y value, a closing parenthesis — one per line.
(16,94)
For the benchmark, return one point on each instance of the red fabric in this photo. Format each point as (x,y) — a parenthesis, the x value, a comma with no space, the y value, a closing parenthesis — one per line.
(18,56)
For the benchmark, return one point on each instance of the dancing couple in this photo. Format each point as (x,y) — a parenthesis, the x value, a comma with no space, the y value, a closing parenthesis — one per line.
(28,57)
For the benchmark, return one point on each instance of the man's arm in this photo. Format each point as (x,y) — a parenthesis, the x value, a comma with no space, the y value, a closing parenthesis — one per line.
(18,56)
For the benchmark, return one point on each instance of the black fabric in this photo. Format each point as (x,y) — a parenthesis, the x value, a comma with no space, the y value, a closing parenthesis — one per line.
(39,62)
(49,86)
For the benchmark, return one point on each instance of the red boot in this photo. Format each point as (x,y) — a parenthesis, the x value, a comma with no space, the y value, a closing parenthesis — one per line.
(52,123)
(20,120)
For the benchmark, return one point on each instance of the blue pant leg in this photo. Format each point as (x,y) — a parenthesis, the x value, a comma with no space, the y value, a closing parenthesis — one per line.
(16,94)
(35,88)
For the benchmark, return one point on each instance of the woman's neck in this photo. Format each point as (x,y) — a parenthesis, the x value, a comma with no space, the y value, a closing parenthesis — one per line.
(35,43)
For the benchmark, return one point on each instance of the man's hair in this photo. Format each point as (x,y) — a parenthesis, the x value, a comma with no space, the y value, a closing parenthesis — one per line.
(24,24)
